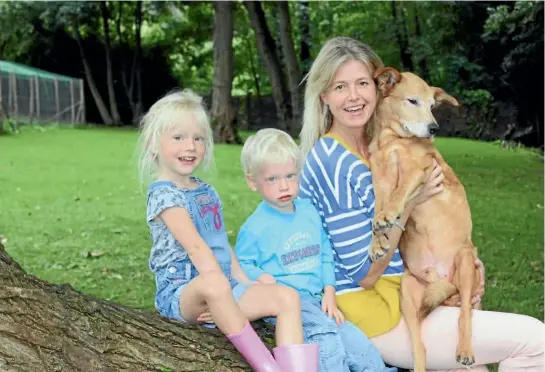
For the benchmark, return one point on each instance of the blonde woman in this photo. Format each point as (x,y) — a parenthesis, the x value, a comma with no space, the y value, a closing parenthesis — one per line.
(340,101)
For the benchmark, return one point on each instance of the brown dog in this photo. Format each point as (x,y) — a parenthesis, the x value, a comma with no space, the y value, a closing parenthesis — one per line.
(436,245)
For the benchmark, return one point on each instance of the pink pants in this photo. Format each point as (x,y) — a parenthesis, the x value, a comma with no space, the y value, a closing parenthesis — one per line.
(515,341)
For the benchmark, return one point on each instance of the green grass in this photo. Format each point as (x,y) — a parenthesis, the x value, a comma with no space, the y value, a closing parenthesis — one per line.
(72,211)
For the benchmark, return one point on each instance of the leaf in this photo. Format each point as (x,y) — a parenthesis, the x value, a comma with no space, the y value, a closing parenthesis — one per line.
(92,254)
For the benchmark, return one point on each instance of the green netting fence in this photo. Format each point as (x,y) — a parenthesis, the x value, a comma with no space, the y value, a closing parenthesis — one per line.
(31,95)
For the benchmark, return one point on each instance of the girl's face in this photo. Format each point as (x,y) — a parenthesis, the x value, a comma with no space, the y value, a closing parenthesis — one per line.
(351,96)
(181,150)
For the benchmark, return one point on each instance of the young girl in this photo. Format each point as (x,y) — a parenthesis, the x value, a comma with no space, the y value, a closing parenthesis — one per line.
(194,266)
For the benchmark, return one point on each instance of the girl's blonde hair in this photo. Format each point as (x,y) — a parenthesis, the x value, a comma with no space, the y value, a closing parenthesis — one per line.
(174,109)
(268,146)
(316,116)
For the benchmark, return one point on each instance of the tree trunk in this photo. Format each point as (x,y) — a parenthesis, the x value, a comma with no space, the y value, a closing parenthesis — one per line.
(46,327)
(423,62)
(304,28)
(253,68)
(137,63)
(292,65)
(403,41)
(222,109)
(267,50)
(109,72)
(102,109)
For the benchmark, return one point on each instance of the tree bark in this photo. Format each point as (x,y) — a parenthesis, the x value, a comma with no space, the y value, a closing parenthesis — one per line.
(109,72)
(423,62)
(102,109)
(292,65)
(403,41)
(304,26)
(267,50)
(46,327)
(222,108)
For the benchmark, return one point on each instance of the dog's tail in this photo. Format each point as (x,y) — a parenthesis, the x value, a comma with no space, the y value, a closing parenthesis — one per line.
(435,294)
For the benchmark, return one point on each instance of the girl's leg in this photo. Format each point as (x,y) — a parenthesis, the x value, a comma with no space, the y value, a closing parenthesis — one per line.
(264,300)
(515,341)
(212,291)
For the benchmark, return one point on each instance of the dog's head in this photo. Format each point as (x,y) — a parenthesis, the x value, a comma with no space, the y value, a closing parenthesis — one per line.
(411,100)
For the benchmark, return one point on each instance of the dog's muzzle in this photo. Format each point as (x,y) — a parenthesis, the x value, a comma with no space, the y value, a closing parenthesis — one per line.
(433,129)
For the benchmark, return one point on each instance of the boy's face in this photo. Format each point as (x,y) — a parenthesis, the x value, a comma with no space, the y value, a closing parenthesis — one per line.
(277,183)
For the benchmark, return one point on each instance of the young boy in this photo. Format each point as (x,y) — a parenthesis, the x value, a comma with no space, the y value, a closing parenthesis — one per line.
(284,242)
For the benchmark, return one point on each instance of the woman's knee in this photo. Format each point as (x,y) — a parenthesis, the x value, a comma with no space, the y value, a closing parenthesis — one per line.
(214,285)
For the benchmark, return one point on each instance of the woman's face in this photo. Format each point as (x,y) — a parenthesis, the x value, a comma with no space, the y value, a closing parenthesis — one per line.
(351,96)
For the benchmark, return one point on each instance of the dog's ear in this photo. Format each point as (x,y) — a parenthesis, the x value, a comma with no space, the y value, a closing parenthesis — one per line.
(441,96)
(386,78)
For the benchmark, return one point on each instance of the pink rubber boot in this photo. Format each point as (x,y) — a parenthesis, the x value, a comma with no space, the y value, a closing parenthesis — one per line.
(297,358)
(254,351)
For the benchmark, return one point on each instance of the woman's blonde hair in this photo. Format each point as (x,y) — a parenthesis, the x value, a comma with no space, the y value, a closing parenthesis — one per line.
(268,146)
(316,116)
(174,109)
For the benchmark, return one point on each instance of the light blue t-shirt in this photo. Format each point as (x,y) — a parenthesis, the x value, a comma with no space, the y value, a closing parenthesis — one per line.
(204,207)
(292,247)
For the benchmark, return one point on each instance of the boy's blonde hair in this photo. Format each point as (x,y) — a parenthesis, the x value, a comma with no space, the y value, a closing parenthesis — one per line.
(174,109)
(316,116)
(268,146)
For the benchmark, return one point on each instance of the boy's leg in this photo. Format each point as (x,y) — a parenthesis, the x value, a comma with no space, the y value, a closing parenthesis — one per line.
(361,352)
(318,328)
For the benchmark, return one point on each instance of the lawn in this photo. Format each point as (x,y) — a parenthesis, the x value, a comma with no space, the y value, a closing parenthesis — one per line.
(72,211)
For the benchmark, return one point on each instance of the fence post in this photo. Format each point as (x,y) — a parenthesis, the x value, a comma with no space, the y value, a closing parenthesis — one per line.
(72,108)
(14,95)
(82,101)
(37,80)
(31,99)
(57,104)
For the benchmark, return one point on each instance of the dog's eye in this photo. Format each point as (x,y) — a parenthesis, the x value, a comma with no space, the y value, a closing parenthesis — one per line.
(412,101)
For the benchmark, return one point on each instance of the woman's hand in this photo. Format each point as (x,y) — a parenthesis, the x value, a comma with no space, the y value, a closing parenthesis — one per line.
(433,186)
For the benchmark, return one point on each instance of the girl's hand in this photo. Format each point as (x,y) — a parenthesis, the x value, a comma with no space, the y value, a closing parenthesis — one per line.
(266,279)
(205,317)
(433,186)
(329,306)
(456,301)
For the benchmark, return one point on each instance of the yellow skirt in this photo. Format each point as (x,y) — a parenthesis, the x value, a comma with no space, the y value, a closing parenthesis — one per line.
(375,311)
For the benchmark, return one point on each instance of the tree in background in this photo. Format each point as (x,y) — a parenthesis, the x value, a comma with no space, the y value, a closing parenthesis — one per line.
(222,111)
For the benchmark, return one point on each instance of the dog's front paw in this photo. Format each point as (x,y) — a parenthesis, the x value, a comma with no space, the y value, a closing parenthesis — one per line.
(379,247)
(384,221)
(464,355)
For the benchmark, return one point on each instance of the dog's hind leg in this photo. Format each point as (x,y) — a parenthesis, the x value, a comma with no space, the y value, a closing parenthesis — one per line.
(466,277)
(411,297)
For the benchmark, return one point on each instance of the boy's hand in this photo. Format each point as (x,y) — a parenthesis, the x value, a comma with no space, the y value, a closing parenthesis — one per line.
(329,305)
(266,279)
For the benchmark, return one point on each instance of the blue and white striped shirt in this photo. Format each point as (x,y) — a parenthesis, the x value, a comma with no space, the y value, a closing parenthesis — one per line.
(339,184)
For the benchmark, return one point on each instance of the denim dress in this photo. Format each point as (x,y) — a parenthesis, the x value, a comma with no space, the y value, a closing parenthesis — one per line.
(168,260)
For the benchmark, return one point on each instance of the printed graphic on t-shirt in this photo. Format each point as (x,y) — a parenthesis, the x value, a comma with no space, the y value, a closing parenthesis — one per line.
(209,210)
(301,253)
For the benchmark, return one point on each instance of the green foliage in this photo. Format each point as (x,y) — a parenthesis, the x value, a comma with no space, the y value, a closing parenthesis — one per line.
(482,114)
(83,221)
